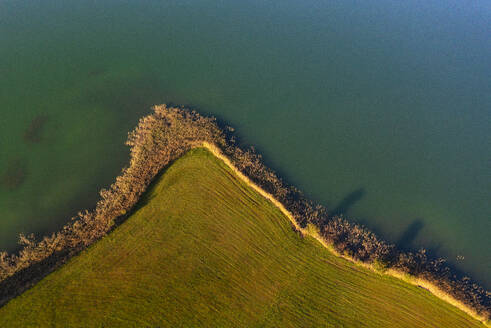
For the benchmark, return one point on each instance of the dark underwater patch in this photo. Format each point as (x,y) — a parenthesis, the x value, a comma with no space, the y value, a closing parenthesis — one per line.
(96,72)
(15,174)
(34,132)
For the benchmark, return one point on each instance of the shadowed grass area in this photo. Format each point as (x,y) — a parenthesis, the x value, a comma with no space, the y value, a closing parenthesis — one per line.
(207,250)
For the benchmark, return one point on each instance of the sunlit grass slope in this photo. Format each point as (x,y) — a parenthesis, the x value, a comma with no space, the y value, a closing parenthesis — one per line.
(204,249)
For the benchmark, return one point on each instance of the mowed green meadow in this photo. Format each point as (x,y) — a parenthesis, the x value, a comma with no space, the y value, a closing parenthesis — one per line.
(204,249)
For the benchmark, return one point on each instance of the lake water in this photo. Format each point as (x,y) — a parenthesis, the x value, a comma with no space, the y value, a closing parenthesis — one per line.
(380,110)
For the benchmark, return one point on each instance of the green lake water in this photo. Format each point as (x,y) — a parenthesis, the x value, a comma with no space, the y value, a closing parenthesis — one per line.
(380,110)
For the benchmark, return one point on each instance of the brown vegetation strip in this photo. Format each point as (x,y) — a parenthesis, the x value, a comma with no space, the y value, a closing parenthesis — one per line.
(167,134)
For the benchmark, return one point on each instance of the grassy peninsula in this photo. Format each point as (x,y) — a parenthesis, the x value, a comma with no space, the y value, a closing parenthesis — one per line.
(203,248)
(164,137)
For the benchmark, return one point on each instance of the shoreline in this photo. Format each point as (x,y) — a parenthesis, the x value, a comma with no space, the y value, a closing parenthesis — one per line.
(312,232)
(167,134)
(246,259)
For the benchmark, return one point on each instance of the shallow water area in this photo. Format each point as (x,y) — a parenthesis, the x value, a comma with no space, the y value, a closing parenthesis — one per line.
(380,111)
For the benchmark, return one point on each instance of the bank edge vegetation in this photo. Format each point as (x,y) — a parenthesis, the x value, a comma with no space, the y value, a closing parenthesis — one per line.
(167,134)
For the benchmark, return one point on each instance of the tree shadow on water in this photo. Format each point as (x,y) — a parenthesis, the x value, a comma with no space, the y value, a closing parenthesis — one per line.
(348,201)
(407,237)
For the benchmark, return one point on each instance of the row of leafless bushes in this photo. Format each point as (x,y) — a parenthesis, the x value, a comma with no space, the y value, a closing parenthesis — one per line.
(358,242)
(164,136)
(158,139)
